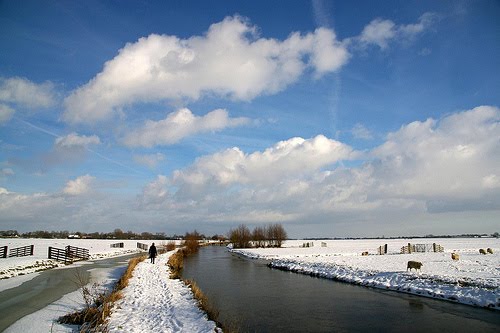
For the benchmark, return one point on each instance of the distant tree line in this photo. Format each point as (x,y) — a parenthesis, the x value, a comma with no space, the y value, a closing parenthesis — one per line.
(116,234)
(272,235)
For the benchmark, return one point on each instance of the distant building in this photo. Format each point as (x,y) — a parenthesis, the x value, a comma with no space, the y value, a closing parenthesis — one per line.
(73,236)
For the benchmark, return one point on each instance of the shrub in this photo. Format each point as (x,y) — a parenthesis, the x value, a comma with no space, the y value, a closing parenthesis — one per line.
(171,246)
(191,242)
(176,263)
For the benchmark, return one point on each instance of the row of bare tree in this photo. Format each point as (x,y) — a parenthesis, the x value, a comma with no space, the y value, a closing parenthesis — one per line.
(272,235)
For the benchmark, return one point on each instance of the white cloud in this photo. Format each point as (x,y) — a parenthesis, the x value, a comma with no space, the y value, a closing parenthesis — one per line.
(26,93)
(151,160)
(80,185)
(449,158)
(359,131)
(434,174)
(6,113)
(179,125)
(431,166)
(378,32)
(73,140)
(381,32)
(230,60)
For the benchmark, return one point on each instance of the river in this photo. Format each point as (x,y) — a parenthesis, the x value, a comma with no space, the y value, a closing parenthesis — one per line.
(255,298)
(47,287)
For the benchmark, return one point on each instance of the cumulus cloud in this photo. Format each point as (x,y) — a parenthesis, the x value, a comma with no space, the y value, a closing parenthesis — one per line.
(151,160)
(179,125)
(426,167)
(381,32)
(6,113)
(229,61)
(80,185)
(23,92)
(287,159)
(441,171)
(451,157)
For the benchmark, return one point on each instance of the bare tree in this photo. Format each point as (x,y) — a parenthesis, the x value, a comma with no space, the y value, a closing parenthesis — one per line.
(259,236)
(276,235)
(240,237)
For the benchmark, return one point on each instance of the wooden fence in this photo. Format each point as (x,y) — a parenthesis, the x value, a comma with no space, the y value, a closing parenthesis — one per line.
(411,248)
(68,254)
(382,249)
(142,246)
(59,255)
(22,251)
(121,245)
(77,252)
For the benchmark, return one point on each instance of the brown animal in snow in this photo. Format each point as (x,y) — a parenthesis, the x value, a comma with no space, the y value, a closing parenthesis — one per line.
(482,251)
(489,250)
(455,256)
(414,264)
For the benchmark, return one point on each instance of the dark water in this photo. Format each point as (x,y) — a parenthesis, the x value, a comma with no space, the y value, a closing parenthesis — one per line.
(48,287)
(259,299)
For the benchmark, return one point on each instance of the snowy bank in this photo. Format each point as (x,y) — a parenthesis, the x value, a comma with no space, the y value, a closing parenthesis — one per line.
(152,302)
(474,279)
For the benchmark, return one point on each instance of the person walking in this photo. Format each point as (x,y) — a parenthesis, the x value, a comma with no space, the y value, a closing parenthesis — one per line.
(152,253)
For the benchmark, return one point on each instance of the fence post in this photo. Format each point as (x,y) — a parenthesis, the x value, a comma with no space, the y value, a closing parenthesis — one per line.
(409,248)
(50,248)
(385,249)
(32,249)
(4,251)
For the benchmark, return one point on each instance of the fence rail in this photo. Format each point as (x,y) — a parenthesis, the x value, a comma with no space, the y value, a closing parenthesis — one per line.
(382,249)
(68,254)
(77,252)
(411,248)
(59,255)
(142,246)
(23,251)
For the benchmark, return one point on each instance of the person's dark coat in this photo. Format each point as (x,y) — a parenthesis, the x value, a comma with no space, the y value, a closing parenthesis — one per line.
(152,251)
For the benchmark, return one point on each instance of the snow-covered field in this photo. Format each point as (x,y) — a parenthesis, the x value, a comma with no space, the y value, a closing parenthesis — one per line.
(151,301)
(474,279)
(98,249)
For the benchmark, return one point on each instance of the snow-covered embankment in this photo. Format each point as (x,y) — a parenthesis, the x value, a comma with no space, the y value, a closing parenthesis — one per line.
(472,280)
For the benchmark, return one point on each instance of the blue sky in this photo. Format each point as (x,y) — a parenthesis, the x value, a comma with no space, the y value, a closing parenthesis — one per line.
(334,118)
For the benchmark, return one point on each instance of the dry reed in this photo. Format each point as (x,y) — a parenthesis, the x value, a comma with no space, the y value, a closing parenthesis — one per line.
(98,304)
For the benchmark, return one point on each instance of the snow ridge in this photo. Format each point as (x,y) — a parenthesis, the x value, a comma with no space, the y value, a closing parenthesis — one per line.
(423,285)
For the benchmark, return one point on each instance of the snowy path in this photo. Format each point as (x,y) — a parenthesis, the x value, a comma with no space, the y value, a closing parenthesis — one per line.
(152,302)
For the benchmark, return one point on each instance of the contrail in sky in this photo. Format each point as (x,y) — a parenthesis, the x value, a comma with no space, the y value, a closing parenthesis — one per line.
(88,149)
(323,18)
